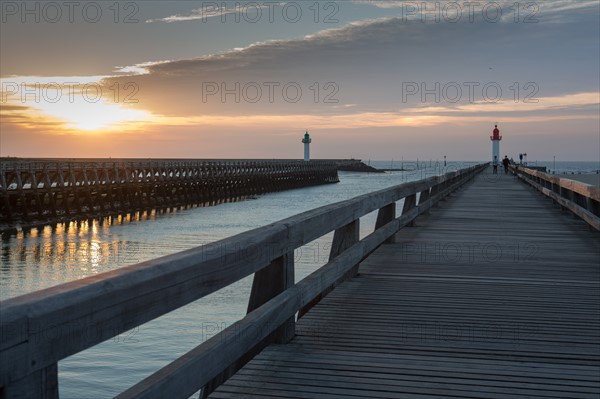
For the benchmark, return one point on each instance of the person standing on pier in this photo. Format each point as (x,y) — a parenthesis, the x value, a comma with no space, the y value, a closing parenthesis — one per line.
(505,162)
(495,165)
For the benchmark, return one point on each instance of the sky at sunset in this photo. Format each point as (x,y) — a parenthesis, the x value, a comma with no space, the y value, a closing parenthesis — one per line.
(368,79)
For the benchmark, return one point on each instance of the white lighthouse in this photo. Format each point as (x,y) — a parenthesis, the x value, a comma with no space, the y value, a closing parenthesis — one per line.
(496,137)
(306,140)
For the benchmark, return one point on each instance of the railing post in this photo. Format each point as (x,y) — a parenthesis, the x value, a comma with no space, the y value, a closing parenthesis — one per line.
(592,206)
(424,197)
(578,200)
(384,216)
(42,384)
(409,204)
(343,238)
(267,284)
(555,187)
(566,194)
(435,190)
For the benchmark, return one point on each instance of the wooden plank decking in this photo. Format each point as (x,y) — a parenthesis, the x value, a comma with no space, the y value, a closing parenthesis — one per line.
(495,294)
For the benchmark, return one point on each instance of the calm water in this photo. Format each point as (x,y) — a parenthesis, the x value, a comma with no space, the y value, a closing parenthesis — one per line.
(48,256)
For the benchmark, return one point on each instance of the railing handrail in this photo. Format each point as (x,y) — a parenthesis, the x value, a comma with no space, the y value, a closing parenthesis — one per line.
(580,198)
(43,327)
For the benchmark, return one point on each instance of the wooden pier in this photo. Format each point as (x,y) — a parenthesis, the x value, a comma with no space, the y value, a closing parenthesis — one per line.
(481,287)
(495,294)
(59,189)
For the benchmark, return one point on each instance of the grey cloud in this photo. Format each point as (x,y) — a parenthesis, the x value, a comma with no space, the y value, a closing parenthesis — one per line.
(546,5)
(211,9)
(370,61)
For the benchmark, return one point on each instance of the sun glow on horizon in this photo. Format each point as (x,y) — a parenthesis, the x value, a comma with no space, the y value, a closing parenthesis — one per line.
(85,106)
(94,116)
(94,107)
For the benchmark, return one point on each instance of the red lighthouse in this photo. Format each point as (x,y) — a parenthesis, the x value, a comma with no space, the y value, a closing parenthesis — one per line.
(495,137)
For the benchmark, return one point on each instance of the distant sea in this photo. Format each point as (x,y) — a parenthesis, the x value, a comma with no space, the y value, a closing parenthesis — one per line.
(566,167)
(37,258)
(553,167)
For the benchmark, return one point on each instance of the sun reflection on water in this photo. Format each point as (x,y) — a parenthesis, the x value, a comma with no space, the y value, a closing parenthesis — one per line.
(40,257)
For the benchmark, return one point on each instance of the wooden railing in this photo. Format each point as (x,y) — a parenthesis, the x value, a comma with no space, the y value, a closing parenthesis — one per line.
(580,198)
(41,328)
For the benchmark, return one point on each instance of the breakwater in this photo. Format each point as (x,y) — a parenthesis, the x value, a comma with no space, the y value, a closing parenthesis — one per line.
(46,190)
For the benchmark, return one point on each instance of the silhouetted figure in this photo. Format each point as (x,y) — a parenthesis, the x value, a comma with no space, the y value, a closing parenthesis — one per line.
(495,165)
(505,162)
